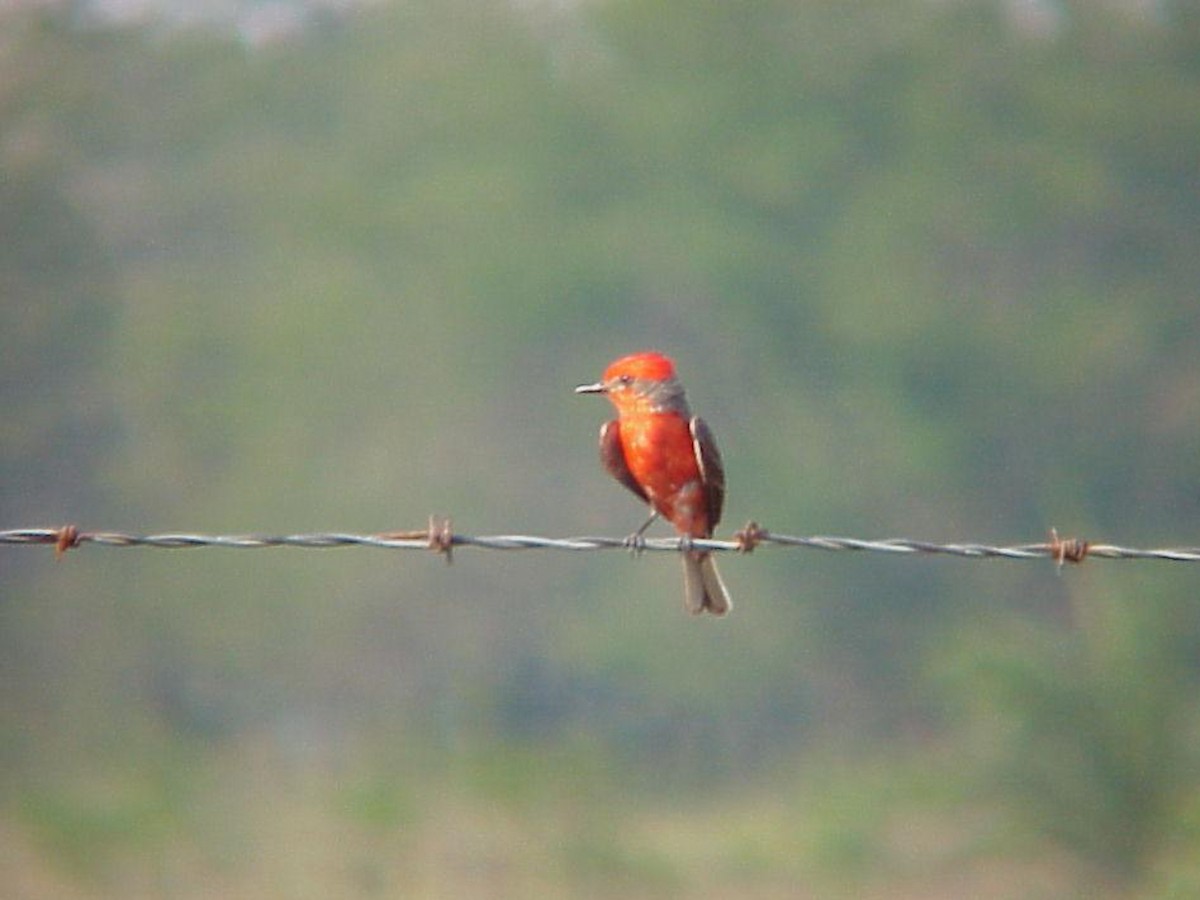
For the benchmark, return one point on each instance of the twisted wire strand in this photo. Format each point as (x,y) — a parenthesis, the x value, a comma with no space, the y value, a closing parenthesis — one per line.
(439,537)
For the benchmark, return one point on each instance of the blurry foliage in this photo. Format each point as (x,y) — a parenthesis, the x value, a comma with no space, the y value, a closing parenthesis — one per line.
(927,271)
(1086,732)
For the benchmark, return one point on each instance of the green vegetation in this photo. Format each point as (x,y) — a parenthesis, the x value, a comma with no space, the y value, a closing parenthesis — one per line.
(928,269)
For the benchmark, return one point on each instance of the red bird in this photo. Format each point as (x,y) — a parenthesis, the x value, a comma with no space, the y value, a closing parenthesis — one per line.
(667,456)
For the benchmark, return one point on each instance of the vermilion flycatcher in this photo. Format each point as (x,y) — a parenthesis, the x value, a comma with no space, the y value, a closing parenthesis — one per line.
(667,456)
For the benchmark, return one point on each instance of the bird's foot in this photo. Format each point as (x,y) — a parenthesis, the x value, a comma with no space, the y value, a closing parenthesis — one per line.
(635,543)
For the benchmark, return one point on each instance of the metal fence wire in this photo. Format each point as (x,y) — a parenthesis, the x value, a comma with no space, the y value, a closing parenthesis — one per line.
(438,536)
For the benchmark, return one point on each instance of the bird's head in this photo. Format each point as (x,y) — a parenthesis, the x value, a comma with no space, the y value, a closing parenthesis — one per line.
(640,382)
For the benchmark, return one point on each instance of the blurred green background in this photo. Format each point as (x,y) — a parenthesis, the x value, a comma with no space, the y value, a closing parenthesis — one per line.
(929,269)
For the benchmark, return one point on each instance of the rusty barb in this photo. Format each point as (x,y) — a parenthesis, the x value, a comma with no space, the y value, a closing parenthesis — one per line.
(1072,550)
(66,539)
(439,537)
(750,537)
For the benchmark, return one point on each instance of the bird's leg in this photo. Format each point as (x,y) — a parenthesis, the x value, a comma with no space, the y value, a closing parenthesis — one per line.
(635,542)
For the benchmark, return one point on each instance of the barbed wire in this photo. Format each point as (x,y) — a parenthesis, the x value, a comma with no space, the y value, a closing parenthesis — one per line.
(439,537)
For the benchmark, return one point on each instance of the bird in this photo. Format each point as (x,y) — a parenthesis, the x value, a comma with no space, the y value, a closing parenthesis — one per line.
(669,459)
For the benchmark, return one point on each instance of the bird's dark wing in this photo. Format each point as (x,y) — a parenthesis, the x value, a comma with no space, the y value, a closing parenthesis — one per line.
(613,457)
(712,473)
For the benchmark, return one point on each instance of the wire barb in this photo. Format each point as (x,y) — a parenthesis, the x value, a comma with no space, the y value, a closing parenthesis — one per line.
(439,537)
(1072,550)
(750,537)
(68,538)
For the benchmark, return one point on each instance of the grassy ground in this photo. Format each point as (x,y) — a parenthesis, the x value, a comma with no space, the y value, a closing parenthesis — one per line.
(249,820)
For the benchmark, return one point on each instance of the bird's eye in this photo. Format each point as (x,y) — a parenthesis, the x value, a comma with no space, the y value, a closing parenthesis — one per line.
(625,380)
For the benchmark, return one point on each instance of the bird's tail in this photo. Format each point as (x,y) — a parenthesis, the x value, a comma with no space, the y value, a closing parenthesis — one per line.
(703,589)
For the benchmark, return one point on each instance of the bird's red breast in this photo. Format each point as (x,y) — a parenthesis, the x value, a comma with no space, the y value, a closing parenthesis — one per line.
(661,457)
